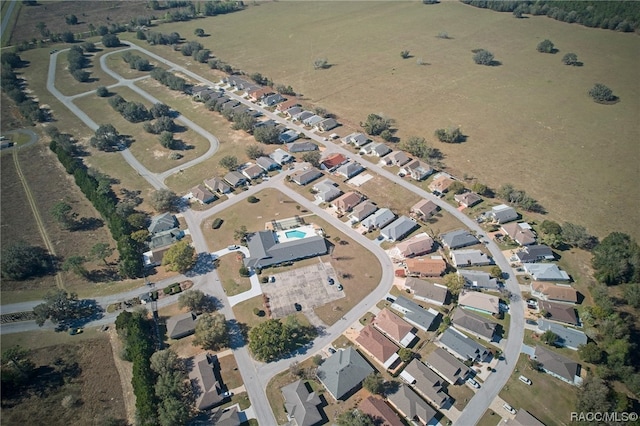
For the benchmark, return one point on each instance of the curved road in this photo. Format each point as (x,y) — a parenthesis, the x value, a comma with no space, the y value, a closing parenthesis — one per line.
(256,375)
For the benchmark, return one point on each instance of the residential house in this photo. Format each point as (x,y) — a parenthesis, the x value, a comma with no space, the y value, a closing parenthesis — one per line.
(425,382)
(326,191)
(253,171)
(447,366)
(265,249)
(474,324)
(203,378)
(398,229)
(281,156)
(381,349)
(343,372)
(395,328)
(398,158)
(288,136)
(545,272)
(467,199)
(410,405)
(267,163)
(294,111)
(435,266)
(303,115)
(229,105)
(559,312)
(357,139)
(286,104)
(301,405)
(535,253)
(426,291)
(165,238)
(503,214)
(466,258)
(463,346)
(303,177)
(481,302)
(556,293)
(272,100)
(523,418)
(362,210)
(378,150)
(326,125)
(424,209)
(417,169)
(259,93)
(333,161)
(378,219)
(417,245)
(350,169)
(415,314)
(302,146)
(162,222)
(235,178)
(218,185)
(181,325)
(441,183)
(267,123)
(567,337)
(226,417)
(154,256)
(458,239)
(378,409)
(312,121)
(558,366)
(521,233)
(202,194)
(346,202)
(478,280)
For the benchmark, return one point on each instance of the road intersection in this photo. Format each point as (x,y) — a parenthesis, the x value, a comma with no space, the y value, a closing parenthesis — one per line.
(256,375)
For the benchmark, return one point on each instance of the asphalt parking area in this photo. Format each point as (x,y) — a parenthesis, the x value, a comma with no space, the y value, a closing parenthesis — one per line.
(307,286)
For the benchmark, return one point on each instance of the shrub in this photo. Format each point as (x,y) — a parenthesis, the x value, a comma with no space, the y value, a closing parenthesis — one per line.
(264,280)
(252,199)
(601,93)
(217,223)
(483,57)
(243,271)
(546,46)
(167,290)
(102,91)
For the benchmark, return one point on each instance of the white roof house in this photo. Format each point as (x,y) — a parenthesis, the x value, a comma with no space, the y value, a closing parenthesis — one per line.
(473,257)
(398,229)
(545,272)
(378,219)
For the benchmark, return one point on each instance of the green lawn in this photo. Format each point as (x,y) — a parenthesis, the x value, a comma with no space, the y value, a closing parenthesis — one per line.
(489,418)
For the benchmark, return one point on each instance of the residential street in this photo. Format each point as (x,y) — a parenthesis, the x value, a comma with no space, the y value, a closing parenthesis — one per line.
(256,375)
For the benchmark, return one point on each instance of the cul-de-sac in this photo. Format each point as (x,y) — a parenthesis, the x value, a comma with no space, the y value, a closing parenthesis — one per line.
(304,213)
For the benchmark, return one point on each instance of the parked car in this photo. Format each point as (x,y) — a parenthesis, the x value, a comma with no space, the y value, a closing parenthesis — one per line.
(330,281)
(297,306)
(272,279)
(340,287)
(390,299)
(227,394)
(509,408)
(74,331)
(233,247)
(332,350)
(525,380)
(473,383)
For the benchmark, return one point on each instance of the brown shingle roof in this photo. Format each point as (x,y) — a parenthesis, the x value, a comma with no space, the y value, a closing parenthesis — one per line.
(426,267)
(562,293)
(376,344)
(392,325)
(379,409)
(427,290)
(416,246)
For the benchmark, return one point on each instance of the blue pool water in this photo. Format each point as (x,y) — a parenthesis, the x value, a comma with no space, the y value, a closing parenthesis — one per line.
(295,234)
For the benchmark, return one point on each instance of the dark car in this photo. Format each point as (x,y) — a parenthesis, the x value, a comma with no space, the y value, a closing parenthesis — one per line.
(297,306)
(330,281)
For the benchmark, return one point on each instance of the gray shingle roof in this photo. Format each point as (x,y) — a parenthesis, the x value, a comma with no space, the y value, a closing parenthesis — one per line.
(379,219)
(411,405)
(343,371)
(162,222)
(181,325)
(301,404)
(425,381)
(535,253)
(264,250)
(462,345)
(302,146)
(203,377)
(414,313)
(557,364)
(568,337)
(479,279)
(446,365)
(458,238)
(467,320)
(398,229)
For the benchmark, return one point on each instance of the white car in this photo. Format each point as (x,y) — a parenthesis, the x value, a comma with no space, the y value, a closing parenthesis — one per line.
(525,380)
(509,408)
(473,383)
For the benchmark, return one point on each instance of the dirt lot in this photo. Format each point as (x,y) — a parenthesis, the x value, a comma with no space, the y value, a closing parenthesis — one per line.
(84,370)
(531,105)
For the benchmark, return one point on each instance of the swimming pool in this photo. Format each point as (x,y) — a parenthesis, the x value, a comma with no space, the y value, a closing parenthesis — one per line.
(295,234)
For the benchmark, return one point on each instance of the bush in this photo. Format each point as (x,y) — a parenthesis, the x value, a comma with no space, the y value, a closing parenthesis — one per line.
(167,290)
(217,223)
(601,93)
(546,46)
(252,199)
(264,280)
(483,57)
(244,271)
(102,91)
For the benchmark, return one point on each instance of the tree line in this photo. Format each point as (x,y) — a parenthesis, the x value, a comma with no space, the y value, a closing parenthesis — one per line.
(14,87)
(170,80)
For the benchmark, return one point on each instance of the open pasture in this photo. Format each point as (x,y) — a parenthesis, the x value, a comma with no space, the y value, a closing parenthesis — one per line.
(529,120)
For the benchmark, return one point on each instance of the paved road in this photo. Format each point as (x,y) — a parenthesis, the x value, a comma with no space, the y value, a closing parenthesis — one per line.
(6,17)
(33,138)
(256,375)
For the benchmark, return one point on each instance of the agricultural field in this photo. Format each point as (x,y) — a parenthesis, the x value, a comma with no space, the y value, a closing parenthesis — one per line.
(529,121)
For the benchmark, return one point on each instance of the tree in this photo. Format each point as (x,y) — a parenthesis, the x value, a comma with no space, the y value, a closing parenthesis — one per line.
(140,236)
(229,162)
(592,353)
(269,135)
(110,40)
(320,64)
(68,37)
(160,110)
(376,124)
(355,418)
(254,151)
(480,188)
(601,93)
(75,264)
(106,138)
(211,332)
(577,236)
(165,361)
(374,383)
(88,46)
(550,227)
(195,300)
(163,200)
(71,19)
(62,213)
(179,257)
(312,157)
(570,59)
(101,251)
(405,54)
(450,135)
(549,337)
(198,32)
(102,92)
(594,396)
(545,46)
(616,259)
(454,282)
(240,234)
(21,261)
(496,272)
(405,354)
(17,367)
(483,57)
(443,35)
(167,140)
(417,146)
(457,187)
(632,295)
(58,306)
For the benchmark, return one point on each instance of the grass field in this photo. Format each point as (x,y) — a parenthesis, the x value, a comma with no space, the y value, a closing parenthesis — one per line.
(548,399)
(529,120)
(69,86)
